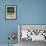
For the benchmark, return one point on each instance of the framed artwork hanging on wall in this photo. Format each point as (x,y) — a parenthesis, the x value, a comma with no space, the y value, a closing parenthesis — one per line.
(10,12)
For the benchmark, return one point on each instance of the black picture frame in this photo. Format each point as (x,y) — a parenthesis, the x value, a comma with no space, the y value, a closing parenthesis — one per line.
(10,12)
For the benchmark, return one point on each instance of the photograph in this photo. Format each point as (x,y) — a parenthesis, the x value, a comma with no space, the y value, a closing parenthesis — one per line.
(10,12)
(29,34)
(32,32)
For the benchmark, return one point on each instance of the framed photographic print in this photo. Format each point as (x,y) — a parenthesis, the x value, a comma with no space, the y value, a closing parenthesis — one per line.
(10,12)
